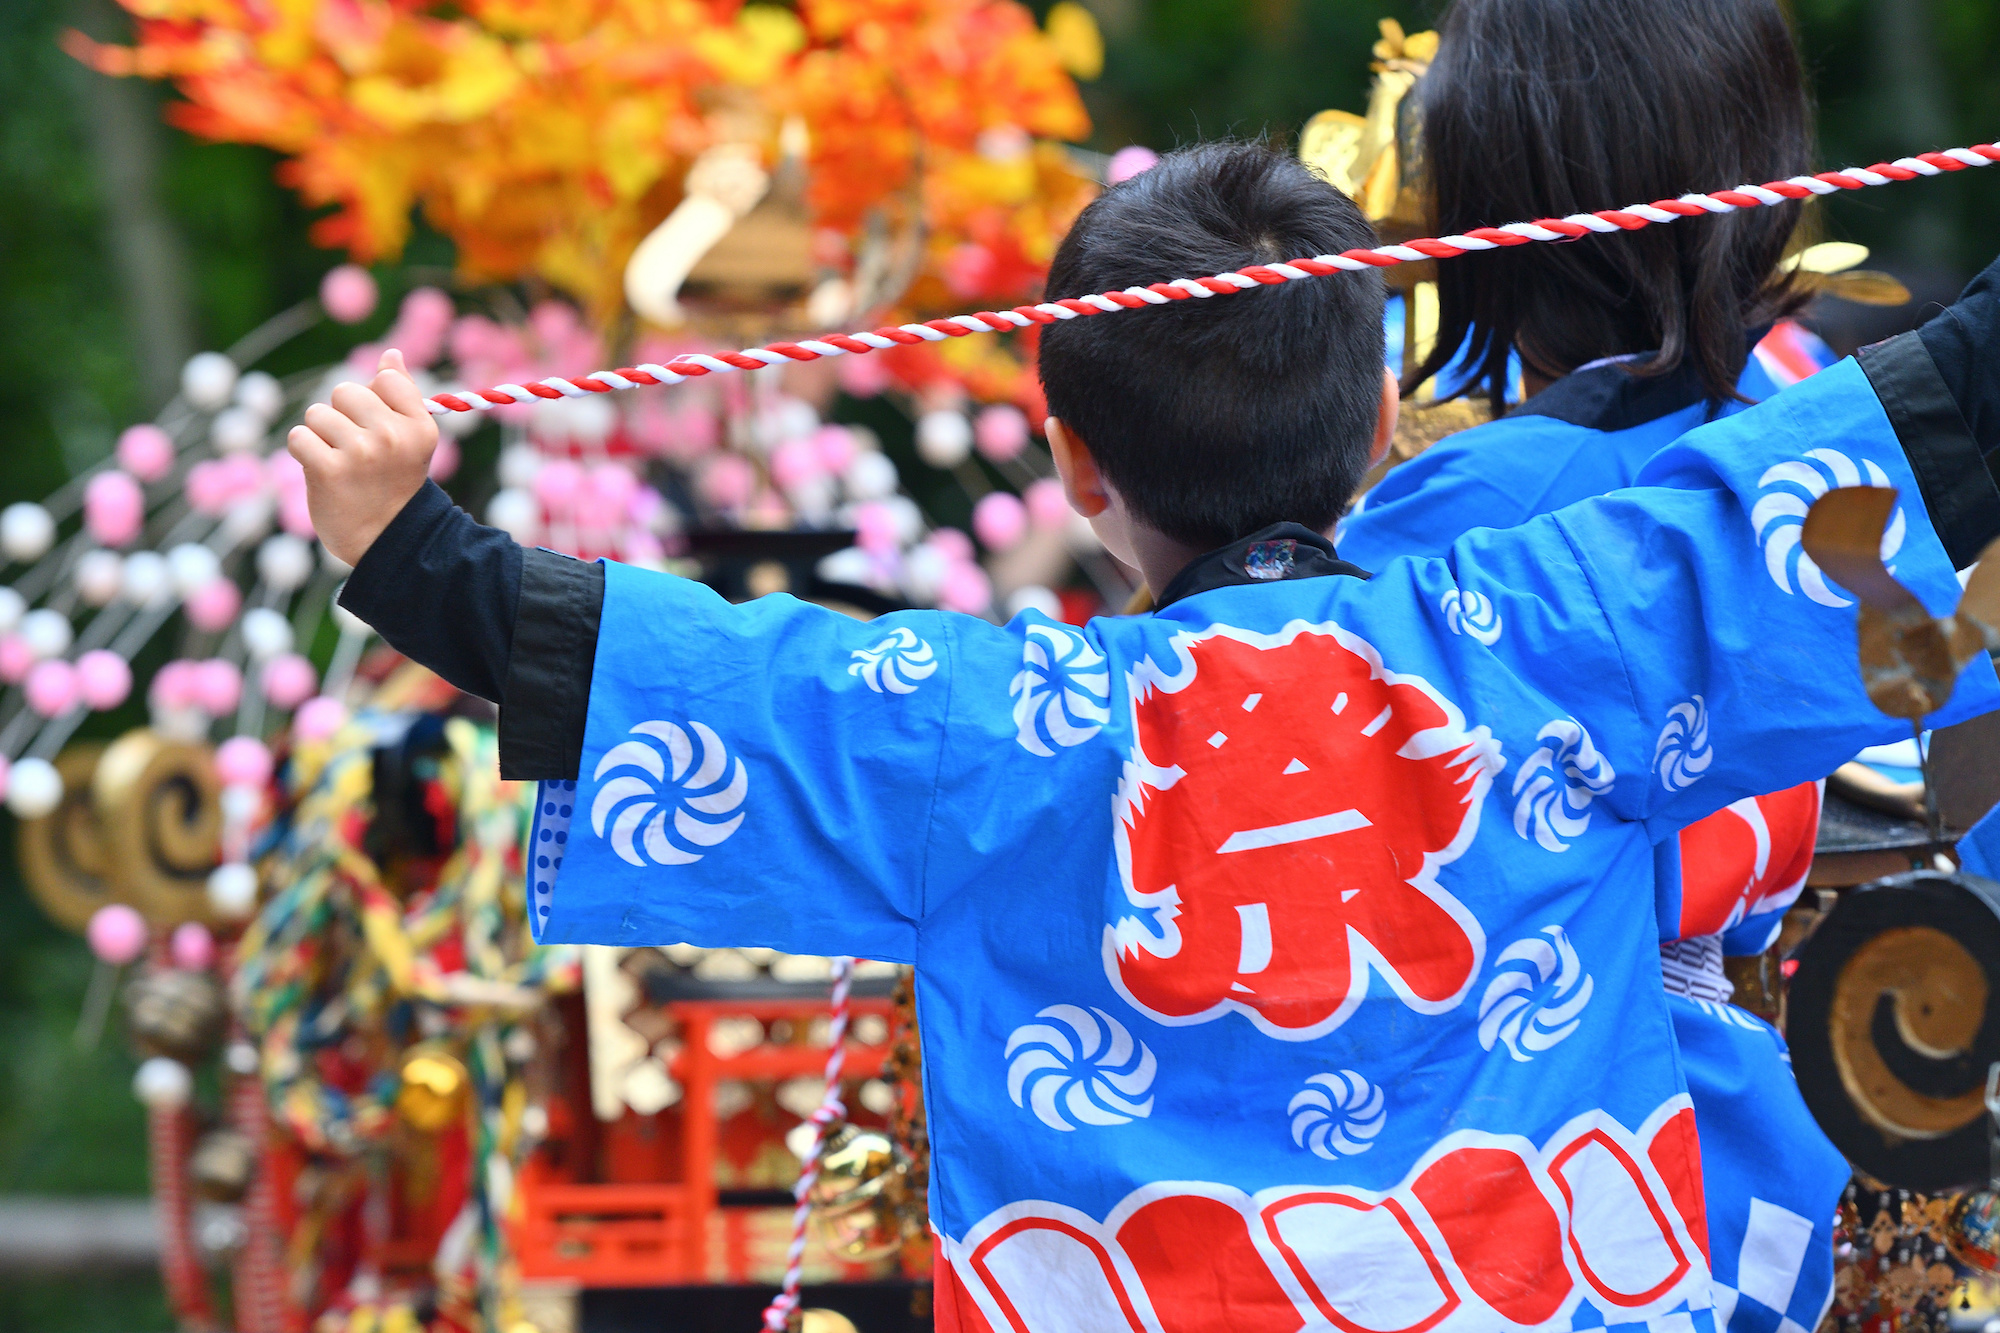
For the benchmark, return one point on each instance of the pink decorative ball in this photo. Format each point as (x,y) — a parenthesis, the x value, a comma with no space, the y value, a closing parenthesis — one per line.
(176,685)
(103,678)
(295,515)
(348,293)
(51,688)
(874,528)
(836,448)
(1130,161)
(243,475)
(1000,432)
(558,483)
(207,487)
(613,483)
(952,544)
(422,325)
(218,686)
(796,462)
(968,269)
(966,588)
(862,376)
(146,451)
(728,481)
(319,718)
(243,761)
(1048,507)
(114,508)
(444,459)
(191,946)
(289,680)
(116,934)
(283,473)
(16,658)
(999,520)
(214,605)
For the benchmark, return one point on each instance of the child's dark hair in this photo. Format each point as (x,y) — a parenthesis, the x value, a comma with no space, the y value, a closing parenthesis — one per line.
(1539,108)
(1215,418)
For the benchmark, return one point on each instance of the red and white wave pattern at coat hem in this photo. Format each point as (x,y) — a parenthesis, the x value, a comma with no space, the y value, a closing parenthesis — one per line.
(1485,1232)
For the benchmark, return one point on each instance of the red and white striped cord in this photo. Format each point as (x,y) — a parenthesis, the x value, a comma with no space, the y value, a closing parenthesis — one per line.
(683,368)
(831,1109)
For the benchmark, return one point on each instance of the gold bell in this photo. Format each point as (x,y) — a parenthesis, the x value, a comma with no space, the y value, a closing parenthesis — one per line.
(434,1088)
(862,1193)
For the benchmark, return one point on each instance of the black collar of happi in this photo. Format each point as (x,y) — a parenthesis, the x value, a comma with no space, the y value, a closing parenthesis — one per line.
(1280,552)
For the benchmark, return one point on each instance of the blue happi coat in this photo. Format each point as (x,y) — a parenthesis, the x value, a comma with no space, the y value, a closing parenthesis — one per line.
(1773,1179)
(1286,957)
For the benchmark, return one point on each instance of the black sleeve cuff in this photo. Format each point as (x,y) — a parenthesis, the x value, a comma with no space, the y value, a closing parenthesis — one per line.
(548,677)
(440,588)
(1958,489)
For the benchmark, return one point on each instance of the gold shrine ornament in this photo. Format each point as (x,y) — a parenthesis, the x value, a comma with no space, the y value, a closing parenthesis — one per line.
(64,858)
(861,1199)
(159,803)
(435,1089)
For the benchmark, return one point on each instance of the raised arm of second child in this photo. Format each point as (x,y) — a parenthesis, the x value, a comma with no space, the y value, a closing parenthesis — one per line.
(1700,655)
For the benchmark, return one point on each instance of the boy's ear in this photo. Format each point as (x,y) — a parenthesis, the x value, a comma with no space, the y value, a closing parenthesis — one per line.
(1082,482)
(1386,417)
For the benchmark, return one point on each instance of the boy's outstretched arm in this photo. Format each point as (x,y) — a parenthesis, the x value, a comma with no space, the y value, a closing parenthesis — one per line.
(442,589)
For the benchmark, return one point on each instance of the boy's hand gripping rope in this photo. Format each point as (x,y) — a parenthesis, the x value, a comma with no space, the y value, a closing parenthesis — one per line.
(779,1312)
(1256,275)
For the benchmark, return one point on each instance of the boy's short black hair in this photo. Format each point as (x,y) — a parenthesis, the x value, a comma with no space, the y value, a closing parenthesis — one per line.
(1214,418)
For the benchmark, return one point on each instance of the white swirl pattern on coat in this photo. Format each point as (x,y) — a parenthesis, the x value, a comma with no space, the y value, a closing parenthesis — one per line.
(1779,517)
(1472,614)
(1536,997)
(1062,691)
(1338,1115)
(1683,753)
(1556,785)
(635,809)
(1086,1066)
(896,664)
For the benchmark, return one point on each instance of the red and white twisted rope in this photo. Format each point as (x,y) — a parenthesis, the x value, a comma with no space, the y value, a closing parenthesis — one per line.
(683,368)
(831,1109)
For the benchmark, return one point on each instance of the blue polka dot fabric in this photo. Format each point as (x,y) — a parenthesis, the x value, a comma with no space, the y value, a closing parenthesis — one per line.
(548,839)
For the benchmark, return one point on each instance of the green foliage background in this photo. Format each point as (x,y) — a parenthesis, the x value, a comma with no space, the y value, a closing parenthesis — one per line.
(1892,76)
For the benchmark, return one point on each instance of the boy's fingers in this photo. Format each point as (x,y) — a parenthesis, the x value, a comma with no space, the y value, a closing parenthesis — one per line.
(304,444)
(392,359)
(363,406)
(395,387)
(332,426)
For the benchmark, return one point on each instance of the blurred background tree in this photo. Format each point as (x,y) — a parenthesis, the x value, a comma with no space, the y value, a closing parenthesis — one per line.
(125,245)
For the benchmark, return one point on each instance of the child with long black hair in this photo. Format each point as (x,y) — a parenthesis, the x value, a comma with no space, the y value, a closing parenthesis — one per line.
(1540,108)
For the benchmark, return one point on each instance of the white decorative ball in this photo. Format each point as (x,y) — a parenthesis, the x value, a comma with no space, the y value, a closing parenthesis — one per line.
(147,579)
(944,438)
(813,498)
(515,511)
(47,632)
(239,804)
(236,430)
(26,531)
(284,562)
(34,788)
(1034,597)
(924,570)
(266,633)
(193,567)
(262,394)
(99,576)
(796,419)
(241,1057)
(207,379)
(520,464)
(871,476)
(248,519)
(345,620)
(163,1084)
(908,518)
(232,890)
(12,607)
(851,566)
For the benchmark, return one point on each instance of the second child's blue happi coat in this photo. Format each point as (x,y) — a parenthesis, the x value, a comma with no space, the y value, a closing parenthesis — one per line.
(1287,957)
